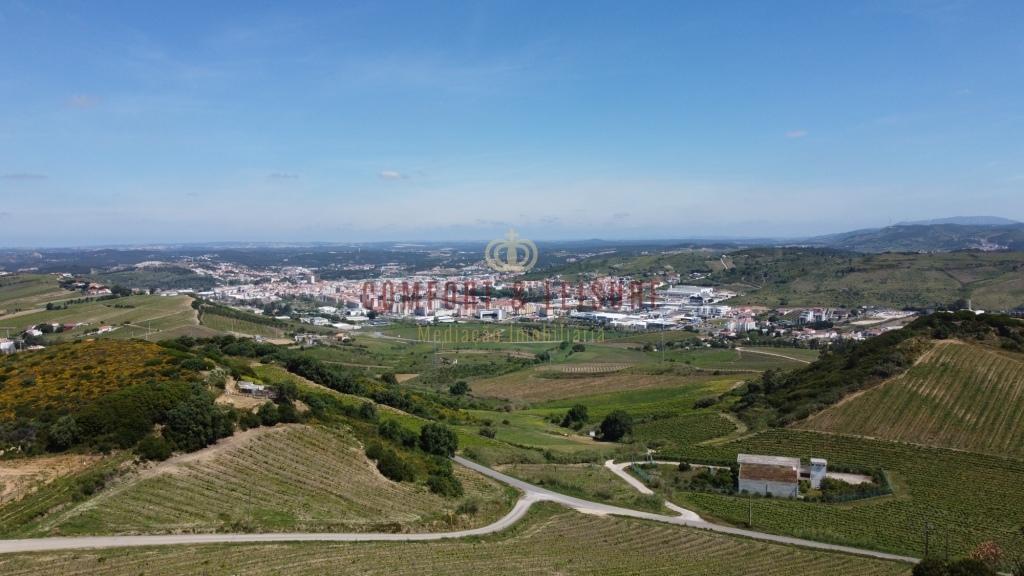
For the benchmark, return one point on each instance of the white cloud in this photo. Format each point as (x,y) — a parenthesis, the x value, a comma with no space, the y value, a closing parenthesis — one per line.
(83,101)
(24,176)
(391,175)
(799,133)
(282,176)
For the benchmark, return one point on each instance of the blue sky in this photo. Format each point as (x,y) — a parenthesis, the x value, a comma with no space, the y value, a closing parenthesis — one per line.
(346,121)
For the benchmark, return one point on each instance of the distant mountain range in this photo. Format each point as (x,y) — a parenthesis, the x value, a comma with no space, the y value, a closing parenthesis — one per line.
(964,221)
(947,234)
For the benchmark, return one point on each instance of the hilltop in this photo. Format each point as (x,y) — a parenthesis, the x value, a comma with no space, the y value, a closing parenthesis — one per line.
(961,395)
(936,236)
(851,367)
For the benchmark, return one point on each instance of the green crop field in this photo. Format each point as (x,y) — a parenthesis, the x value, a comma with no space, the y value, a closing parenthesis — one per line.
(549,541)
(288,478)
(533,431)
(958,395)
(20,292)
(147,317)
(675,398)
(239,326)
(680,431)
(589,481)
(971,497)
(543,383)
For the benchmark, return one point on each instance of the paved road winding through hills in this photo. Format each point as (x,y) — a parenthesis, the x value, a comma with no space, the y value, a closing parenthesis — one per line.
(531,495)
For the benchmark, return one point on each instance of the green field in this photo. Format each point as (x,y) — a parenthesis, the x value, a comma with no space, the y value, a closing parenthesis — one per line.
(646,402)
(147,317)
(958,395)
(677,432)
(591,481)
(20,292)
(549,541)
(239,326)
(287,478)
(972,497)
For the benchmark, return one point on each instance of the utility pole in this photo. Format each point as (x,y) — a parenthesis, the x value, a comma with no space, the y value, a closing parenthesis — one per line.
(750,513)
(927,533)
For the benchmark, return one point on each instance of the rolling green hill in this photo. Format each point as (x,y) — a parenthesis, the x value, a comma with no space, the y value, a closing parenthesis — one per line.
(825,277)
(850,367)
(286,478)
(958,395)
(930,237)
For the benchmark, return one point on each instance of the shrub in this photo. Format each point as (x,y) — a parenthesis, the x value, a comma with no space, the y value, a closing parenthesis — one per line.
(154,447)
(705,402)
(394,467)
(394,431)
(368,411)
(470,507)
(445,485)
(64,433)
(577,415)
(970,567)
(616,425)
(459,388)
(488,432)
(268,414)
(438,439)
(249,420)
(578,347)
(286,413)
(930,567)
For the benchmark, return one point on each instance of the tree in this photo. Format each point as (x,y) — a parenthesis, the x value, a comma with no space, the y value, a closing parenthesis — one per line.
(459,388)
(576,415)
(368,411)
(154,447)
(438,439)
(268,414)
(287,391)
(394,467)
(190,424)
(616,425)
(64,433)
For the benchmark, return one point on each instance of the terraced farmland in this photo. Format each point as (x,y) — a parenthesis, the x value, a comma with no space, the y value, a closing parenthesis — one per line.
(549,541)
(972,497)
(958,396)
(288,478)
(683,430)
(27,291)
(149,317)
(238,326)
